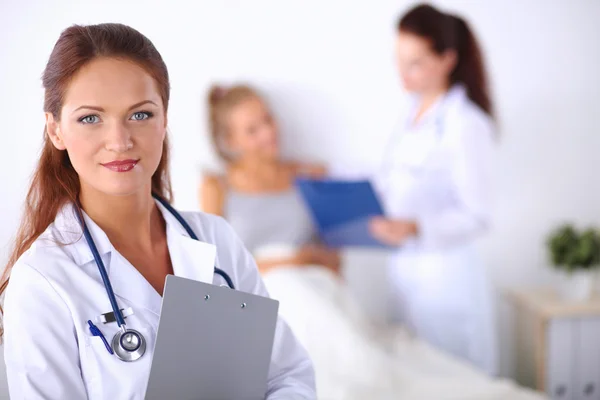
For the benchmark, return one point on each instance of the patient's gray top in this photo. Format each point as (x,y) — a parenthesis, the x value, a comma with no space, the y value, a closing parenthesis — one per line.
(262,219)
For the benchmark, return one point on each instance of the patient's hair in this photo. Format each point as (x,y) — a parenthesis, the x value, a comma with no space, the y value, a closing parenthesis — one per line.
(221,101)
(451,32)
(55,182)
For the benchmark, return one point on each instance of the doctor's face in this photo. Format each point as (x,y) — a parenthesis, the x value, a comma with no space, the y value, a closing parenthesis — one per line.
(112,125)
(422,70)
(252,130)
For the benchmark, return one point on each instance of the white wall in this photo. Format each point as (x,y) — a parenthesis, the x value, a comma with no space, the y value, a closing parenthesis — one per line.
(328,69)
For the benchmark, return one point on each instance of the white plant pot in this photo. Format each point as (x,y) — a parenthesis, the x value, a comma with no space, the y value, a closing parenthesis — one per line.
(578,285)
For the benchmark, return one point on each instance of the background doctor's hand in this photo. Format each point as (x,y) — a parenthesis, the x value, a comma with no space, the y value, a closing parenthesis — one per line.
(392,231)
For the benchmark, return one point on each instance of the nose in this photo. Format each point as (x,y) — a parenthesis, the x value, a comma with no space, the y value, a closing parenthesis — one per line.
(118,138)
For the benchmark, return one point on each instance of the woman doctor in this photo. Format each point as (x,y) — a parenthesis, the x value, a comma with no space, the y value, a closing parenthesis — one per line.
(436,188)
(106,153)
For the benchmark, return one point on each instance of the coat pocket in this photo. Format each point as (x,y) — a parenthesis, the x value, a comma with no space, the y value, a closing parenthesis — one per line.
(109,377)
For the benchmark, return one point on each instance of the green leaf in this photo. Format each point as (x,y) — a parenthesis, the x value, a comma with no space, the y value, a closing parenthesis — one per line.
(571,250)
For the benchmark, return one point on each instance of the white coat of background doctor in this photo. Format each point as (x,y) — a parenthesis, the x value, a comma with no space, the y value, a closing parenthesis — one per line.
(105,147)
(435,184)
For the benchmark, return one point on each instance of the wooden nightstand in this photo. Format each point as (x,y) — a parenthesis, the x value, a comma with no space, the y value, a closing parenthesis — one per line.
(558,343)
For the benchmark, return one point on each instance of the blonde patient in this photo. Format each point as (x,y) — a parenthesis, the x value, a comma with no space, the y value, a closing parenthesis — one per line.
(256,192)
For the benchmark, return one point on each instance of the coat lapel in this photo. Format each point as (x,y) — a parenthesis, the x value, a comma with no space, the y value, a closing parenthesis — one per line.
(131,286)
(192,259)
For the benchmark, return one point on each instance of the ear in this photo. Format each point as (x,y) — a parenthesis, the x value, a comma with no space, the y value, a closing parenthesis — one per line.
(450,59)
(53,130)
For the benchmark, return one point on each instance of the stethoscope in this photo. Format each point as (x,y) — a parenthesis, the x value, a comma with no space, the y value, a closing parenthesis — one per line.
(129,344)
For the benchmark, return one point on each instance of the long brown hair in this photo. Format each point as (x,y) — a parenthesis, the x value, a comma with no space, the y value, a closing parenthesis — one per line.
(450,32)
(55,182)
(221,101)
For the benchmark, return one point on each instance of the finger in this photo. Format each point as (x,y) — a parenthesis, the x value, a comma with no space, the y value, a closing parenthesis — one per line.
(376,226)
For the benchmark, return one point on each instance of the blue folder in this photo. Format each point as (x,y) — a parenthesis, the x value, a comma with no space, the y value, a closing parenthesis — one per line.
(342,210)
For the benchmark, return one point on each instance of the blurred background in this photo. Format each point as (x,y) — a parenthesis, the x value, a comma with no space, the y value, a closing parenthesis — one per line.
(327,70)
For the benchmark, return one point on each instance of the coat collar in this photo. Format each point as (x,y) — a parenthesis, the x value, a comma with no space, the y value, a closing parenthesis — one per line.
(457,94)
(193,259)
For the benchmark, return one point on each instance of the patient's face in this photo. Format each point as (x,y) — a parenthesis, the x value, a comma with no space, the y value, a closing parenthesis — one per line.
(252,131)
(421,68)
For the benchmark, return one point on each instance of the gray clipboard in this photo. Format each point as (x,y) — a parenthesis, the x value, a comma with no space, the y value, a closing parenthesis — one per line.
(212,343)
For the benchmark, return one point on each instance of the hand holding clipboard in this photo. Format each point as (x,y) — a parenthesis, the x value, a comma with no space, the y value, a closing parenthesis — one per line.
(342,211)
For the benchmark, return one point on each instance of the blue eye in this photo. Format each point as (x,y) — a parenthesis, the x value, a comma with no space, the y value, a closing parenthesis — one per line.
(141,115)
(89,119)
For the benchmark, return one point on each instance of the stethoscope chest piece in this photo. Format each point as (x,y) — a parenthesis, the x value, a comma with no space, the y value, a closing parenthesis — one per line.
(129,345)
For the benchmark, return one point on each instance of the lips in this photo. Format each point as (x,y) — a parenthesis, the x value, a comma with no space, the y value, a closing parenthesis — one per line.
(121,165)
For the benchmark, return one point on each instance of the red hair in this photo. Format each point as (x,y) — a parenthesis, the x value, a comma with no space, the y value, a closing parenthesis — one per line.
(55,182)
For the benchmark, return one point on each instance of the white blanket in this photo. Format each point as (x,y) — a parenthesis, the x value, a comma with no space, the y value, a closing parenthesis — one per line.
(353,360)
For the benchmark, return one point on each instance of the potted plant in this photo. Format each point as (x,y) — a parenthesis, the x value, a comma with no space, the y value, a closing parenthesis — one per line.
(577,255)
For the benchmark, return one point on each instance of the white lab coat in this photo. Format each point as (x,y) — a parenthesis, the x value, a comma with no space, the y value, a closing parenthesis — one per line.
(438,173)
(54,290)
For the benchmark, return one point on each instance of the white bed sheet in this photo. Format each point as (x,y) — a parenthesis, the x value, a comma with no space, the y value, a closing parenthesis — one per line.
(355,360)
